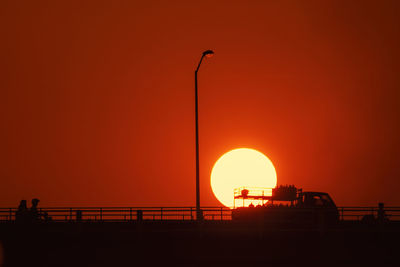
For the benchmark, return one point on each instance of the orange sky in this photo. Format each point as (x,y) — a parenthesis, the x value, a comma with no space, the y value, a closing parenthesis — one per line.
(97,98)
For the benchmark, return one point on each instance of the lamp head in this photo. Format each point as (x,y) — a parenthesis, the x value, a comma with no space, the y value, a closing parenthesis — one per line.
(208,53)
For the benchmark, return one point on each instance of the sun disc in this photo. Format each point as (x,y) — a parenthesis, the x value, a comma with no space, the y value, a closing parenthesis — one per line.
(241,167)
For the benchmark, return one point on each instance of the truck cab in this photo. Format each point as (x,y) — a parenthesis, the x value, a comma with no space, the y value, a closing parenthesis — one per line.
(321,205)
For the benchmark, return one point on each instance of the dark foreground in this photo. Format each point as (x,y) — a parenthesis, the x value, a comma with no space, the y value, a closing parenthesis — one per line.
(186,243)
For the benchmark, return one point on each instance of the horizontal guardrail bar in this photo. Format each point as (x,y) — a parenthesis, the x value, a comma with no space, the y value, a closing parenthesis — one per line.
(173,213)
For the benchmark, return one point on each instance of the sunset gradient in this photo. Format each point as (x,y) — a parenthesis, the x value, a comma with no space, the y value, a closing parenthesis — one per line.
(97,98)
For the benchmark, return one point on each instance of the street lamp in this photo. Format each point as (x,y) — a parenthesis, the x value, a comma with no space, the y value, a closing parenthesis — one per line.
(199,214)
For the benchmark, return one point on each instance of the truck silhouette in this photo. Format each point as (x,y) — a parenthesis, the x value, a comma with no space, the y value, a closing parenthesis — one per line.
(285,205)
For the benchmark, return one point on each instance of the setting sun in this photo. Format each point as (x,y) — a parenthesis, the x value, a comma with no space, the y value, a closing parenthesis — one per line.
(241,167)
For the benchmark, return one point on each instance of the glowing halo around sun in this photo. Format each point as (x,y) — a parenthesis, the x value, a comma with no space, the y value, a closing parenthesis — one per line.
(241,167)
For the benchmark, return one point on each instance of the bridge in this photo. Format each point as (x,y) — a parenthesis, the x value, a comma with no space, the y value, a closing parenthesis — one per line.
(126,214)
(114,236)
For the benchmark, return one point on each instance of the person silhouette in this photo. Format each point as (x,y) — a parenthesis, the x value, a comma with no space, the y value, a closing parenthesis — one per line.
(22,212)
(34,210)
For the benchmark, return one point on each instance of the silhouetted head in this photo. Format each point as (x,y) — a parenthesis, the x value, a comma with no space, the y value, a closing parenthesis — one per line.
(35,202)
(22,204)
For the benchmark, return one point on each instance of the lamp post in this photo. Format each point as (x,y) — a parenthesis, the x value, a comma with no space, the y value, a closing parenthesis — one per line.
(199,214)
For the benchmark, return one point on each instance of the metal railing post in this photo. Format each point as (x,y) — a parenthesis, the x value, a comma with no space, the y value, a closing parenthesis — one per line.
(101,214)
(381,212)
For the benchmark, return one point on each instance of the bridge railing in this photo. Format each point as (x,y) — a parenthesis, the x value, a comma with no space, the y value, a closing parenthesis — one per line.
(358,213)
(66,214)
